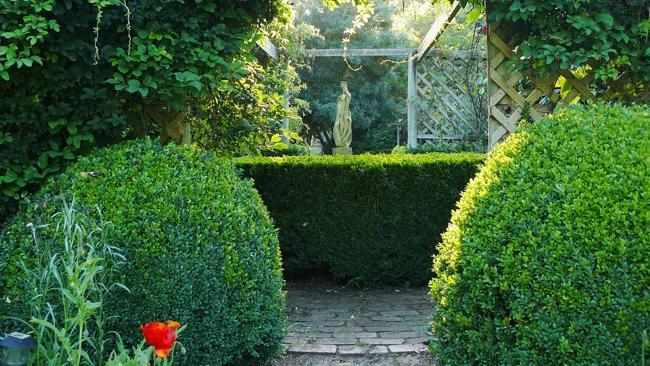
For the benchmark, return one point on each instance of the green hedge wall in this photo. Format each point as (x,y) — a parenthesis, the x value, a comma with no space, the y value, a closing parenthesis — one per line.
(368,219)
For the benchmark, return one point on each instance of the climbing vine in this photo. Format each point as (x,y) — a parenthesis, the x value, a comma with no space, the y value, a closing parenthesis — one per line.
(610,39)
(76,74)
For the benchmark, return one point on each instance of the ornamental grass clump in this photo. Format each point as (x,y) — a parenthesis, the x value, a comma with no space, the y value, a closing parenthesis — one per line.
(66,282)
(199,247)
(547,259)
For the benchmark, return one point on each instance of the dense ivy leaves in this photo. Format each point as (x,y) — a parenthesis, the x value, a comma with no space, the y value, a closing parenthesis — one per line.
(545,261)
(199,244)
(76,74)
(368,219)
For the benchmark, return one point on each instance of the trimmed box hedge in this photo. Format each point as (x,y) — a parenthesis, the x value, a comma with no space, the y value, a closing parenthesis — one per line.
(547,259)
(368,219)
(199,246)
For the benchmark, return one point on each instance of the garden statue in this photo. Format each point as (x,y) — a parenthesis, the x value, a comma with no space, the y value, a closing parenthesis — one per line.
(343,125)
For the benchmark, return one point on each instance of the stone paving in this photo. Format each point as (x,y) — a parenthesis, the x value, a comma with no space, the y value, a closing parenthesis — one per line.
(326,318)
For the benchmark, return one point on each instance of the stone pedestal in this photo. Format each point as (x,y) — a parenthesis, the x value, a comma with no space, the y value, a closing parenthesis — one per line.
(341,151)
(315,150)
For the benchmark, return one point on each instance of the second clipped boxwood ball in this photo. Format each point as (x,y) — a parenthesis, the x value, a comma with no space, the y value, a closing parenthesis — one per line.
(199,244)
(547,259)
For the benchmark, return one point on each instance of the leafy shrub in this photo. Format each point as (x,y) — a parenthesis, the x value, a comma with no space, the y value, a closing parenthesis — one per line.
(608,40)
(292,150)
(366,218)
(546,260)
(446,147)
(77,74)
(199,245)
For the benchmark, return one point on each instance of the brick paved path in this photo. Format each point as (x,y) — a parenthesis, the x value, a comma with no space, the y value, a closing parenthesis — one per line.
(325,318)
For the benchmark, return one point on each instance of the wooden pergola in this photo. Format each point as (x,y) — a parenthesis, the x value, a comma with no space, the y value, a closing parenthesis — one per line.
(507,104)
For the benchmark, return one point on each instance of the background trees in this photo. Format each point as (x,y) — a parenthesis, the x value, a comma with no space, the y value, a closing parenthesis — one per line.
(378,84)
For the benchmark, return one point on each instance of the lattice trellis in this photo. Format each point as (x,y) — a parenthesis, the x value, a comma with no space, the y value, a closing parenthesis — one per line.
(513,94)
(445,111)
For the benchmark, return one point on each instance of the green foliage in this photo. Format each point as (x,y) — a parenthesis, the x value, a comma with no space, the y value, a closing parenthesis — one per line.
(247,115)
(67,285)
(545,261)
(416,17)
(612,39)
(199,247)
(291,150)
(244,118)
(139,356)
(446,148)
(368,219)
(77,74)
(143,353)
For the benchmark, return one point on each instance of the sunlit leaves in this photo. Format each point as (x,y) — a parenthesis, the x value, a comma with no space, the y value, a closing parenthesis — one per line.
(475,14)
(545,260)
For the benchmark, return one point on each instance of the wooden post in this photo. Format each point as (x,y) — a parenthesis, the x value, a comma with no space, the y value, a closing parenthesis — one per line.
(411,102)
(493,123)
(493,89)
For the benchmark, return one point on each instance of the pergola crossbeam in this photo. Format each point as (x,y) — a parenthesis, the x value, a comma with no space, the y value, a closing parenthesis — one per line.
(436,30)
(265,44)
(447,128)
(359,52)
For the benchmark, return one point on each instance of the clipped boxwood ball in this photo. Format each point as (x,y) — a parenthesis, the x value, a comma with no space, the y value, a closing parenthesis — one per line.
(199,244)
(547,258)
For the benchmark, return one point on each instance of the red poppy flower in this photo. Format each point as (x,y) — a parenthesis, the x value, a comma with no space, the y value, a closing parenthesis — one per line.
(159,335)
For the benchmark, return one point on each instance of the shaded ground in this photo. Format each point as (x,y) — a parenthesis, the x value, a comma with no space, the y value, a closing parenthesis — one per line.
(423,359)
(332,325)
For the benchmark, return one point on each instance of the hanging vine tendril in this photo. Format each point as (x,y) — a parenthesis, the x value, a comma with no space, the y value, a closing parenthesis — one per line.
(96,30)
(128,25)
(364,14)
(100,12)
